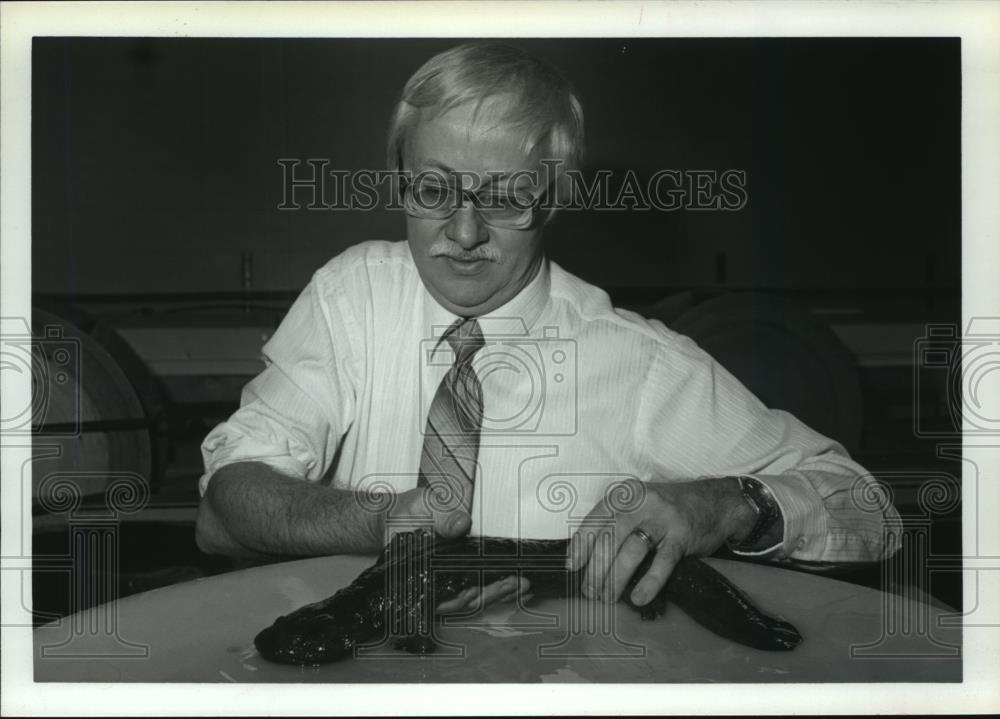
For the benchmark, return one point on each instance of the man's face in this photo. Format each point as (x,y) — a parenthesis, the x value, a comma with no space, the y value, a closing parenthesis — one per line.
(470,267)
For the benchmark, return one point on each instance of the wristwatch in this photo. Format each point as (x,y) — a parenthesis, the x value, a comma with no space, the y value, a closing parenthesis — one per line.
(765,507)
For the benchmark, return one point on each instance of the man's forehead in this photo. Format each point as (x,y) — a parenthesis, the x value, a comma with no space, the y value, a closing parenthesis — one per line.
(463,140)
(431,167)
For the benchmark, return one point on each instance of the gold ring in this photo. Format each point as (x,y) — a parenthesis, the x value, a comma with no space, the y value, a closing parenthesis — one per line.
(644,536)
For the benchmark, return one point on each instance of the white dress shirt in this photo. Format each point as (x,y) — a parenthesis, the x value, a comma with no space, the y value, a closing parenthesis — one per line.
(577,395)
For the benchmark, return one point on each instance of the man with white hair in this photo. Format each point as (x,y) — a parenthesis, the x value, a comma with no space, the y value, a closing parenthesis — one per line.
(463,378)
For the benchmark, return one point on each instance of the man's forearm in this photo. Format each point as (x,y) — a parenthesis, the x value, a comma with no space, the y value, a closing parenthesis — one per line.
(251,510)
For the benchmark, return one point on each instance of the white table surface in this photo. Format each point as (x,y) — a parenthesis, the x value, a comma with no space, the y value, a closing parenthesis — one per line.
(202,631)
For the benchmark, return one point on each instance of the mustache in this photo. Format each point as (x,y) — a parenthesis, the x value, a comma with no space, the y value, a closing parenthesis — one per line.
(447,248)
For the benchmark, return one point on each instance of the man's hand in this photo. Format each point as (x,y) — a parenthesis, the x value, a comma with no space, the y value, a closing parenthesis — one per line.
(415,509)
(682,518)
(472,599)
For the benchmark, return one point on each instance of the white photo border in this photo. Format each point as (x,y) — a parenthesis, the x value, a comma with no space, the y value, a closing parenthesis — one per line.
(978,25)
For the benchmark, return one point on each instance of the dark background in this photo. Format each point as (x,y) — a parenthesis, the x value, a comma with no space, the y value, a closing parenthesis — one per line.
(155,159)
(156,232)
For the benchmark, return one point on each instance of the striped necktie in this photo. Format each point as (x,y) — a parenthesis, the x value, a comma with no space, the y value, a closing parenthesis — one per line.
(451,438)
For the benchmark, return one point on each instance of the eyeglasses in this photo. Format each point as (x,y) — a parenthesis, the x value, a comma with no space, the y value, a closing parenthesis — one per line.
(428,197)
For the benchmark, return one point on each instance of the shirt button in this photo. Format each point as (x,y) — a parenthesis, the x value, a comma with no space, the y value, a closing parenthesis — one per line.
(801,544)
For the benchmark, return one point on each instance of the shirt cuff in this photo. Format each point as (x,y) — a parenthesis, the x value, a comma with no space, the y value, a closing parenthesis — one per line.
(222,447)
(803,527)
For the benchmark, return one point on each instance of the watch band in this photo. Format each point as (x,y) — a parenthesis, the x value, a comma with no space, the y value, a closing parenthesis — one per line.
(759,497)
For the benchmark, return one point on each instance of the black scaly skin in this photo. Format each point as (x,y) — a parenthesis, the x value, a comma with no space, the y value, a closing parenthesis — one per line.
(395,598)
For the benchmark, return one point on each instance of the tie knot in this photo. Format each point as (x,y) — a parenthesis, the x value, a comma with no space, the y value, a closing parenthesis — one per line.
(465,339)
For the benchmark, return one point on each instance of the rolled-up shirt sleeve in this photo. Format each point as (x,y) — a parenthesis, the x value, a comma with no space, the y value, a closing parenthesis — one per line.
(293,415)
(697,420)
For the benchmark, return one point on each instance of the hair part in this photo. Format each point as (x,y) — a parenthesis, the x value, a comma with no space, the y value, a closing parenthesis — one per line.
(545,107)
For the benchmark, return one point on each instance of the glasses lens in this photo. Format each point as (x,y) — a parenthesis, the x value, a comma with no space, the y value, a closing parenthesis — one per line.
(505,209)
(431,199)
(427,198)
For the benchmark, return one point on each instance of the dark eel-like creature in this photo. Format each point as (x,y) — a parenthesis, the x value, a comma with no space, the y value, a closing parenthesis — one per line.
(395,598)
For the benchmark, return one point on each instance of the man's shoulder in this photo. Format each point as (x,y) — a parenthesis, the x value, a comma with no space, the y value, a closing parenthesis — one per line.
(369,272)
(367,257)
(590,309)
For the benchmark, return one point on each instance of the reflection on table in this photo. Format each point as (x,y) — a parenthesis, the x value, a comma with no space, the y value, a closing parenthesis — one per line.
(202,631)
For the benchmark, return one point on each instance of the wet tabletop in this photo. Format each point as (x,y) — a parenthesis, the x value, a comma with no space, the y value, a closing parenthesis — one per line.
(202,631)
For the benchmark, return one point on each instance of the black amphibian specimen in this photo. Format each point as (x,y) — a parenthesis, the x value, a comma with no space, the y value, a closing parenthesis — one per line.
(395,597)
